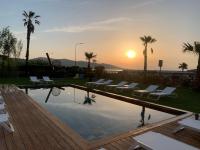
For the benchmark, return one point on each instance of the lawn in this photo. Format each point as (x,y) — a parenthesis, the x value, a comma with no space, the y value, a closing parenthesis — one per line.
(186,99)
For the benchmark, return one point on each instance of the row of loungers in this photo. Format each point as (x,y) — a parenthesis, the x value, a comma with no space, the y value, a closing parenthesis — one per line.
(4,116)
(156,141)
(46,79)
(150,91)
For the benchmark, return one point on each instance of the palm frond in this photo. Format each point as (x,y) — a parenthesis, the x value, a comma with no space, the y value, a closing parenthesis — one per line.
(36,16)
(25,23)
(37,22)
(25,14)
(31,14)
(187,47)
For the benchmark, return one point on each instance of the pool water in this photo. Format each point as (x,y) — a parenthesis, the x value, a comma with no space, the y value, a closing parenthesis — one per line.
(94,116)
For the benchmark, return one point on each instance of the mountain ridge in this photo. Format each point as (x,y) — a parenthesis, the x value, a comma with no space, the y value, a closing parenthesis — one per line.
(69,63)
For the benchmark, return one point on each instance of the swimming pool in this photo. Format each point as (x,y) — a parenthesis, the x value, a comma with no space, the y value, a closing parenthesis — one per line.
(94,116)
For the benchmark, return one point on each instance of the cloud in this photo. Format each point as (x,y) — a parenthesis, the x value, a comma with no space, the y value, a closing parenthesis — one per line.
(146,3)
(104,25)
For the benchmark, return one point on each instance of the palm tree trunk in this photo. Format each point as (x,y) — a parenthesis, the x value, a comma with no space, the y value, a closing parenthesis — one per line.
(145,59)
(89,64)
(27,51)
(198,70)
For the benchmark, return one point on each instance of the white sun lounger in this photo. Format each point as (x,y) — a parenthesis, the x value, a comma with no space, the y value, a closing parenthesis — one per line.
(122,83)
(191,123)
(98,81)
(47,79)
(127,87)
(4,122)
(34,79)
(156,141)
(165,92)
(149,89)
(104,83)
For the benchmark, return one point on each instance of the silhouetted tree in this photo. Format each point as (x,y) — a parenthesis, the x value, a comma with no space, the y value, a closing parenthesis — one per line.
(8,45)
(89,56)
(187,47)
(183,66)
(29,21)
(146,40)
(7,42)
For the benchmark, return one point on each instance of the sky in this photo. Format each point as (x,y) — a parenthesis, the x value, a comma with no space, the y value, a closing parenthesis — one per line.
(109,28)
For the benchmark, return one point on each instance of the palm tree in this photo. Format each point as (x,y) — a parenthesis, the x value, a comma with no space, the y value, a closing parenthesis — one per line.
(29,21)
(89,56)
(146,40)
(187,47)
(89,100)
(183,66)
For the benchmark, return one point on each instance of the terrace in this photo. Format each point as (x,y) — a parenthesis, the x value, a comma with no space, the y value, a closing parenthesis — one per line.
(36,128)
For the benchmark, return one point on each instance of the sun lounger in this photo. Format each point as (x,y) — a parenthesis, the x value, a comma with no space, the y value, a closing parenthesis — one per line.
(191,123)
(165,92)
(149,89)
(156,141)
(122,83)
(104,83)
(47,79)
(4,122)
(34,79)
(128,87)
(98,81)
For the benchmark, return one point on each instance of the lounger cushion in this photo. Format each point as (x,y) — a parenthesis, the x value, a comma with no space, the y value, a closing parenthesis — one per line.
(157,141)
(190,123)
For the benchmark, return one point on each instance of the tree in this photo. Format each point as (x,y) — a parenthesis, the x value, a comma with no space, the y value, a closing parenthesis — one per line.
(29,21)
(187,47)
(146,40)
(7,42)
(8,45)
(89,56)
(183,66)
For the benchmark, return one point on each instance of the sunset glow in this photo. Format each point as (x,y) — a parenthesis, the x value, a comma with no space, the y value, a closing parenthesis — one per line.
(131,54)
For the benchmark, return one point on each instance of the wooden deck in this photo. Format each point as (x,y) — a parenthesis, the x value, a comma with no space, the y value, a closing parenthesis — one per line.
(37,129)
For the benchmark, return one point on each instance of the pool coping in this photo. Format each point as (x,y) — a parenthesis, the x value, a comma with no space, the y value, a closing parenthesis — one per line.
(180,114)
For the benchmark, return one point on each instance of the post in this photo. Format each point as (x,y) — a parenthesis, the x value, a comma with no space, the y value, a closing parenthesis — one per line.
(75,52)
(160,64)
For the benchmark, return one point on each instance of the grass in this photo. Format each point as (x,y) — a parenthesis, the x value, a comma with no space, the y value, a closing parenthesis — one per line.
(186,99)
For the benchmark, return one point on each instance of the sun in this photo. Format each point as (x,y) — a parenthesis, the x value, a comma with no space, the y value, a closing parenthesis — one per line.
(131,53)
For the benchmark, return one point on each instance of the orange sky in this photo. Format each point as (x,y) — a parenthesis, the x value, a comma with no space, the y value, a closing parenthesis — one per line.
(109,29)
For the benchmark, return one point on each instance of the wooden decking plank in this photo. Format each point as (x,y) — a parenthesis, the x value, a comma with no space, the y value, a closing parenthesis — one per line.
(24,124)
(42,130)
(69,141)
(76,145)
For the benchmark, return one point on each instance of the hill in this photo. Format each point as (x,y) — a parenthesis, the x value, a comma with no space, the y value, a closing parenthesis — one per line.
(69,63)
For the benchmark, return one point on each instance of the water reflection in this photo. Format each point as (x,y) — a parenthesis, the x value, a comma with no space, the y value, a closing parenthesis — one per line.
(94,116)
(89,100)
(142,114)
